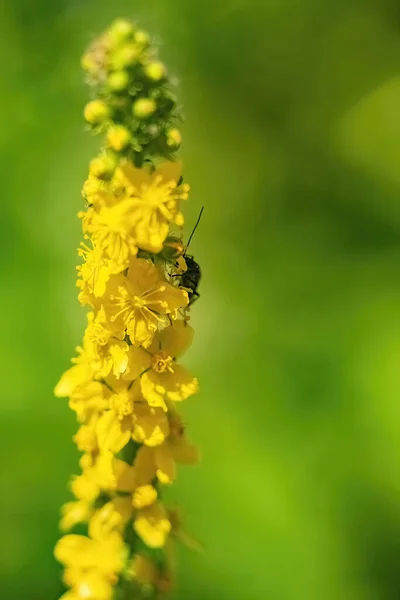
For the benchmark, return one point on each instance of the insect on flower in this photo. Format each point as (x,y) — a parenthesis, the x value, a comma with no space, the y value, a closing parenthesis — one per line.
(189,270)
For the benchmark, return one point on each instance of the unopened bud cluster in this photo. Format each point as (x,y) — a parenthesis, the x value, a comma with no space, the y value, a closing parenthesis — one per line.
(134,104)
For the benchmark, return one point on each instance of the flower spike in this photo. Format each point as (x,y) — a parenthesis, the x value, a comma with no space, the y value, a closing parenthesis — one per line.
(126,379)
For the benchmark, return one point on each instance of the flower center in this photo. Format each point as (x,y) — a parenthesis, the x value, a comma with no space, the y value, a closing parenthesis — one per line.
(162,362)
(156,194)
(122,404)
(98,334)
(138,302)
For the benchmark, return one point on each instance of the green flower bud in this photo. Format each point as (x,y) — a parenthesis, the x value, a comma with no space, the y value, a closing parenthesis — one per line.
(126,56)
(120,31)
(144,108)
(118,81)
(103,166)
(174,138)
(88,63)
(155,71)
(96,112)
(118,137)
(142,39)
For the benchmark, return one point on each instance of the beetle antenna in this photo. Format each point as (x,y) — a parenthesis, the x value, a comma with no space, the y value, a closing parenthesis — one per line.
(194,229)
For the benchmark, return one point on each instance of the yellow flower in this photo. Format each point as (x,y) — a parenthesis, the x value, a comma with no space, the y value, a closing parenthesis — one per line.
(103,471)
(104,347)
(152,525)
(73,513)
(143,570)
(109,223)
(144,495)
(93,274)
(161,378)
(156,199)
(130,417)
(122,401)
(112,433)
(101,556)
(84,486)
(76,377)
(175,449)
(85,438)
(101,353)
(87,585)
(88,399)
(150,425)
(158,460)
(140,301)
(105,522)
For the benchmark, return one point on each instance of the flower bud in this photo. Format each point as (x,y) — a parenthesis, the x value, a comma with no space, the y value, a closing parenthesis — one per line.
(118,81)
(126,56)
(96,112)
(174,138)
(144,108)
(88,63)
(142,39)
(118,137)
(155,71)
(103,166)
(120,31)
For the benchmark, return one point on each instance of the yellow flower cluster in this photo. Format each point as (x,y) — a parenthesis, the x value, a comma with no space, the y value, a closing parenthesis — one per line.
(126,378)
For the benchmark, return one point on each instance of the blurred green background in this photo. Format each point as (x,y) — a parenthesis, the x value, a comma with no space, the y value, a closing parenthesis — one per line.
(292,143)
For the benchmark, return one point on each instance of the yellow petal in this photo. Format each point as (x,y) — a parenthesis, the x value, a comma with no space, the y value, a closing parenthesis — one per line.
(130,176)
(104,522)
(176,386)
(144,466)
(165,464)
(151,384)
(144,495)
(142,275)
(180,384)
(112,434)
(176,339)
(151,239)
(119,354)
(74,513)
(93,586)
(125,475)
(151,425)
(85,488)
(123,505)
(142,327)
(138,361)
(152,525)
(184,452)
(169,299)
(76,550)
(71,379)
(104,472)
(170,171)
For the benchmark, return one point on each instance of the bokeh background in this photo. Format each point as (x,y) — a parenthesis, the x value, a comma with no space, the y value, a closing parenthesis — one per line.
(292,144)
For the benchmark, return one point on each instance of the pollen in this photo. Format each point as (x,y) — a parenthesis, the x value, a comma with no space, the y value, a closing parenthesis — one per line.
(162,362)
